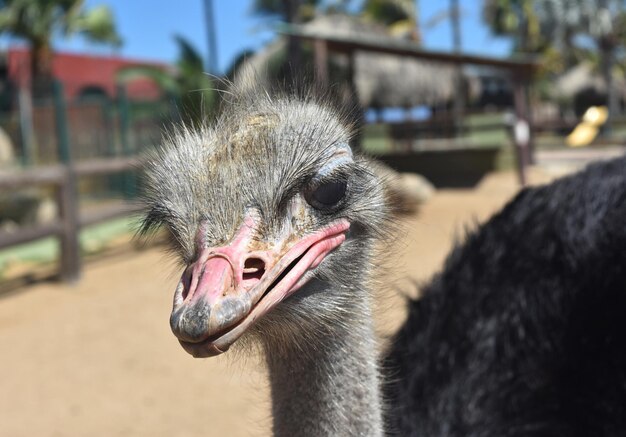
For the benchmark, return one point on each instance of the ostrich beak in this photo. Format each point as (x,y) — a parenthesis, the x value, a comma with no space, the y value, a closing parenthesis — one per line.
(229,287)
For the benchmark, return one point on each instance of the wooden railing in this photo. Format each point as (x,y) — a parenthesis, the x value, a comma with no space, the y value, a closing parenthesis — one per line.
(64,179)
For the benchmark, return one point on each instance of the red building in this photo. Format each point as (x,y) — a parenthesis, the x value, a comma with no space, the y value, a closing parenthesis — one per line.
(84,75)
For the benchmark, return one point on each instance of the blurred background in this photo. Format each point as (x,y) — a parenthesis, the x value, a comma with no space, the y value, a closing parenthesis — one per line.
(467,100)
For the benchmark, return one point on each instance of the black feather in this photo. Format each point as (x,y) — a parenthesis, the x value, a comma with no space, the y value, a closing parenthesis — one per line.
(524,331)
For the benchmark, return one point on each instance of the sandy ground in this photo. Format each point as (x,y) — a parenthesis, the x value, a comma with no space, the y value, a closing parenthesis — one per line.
(98,358)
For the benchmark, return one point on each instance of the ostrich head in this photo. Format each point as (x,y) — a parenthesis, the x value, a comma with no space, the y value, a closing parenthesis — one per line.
(273,218)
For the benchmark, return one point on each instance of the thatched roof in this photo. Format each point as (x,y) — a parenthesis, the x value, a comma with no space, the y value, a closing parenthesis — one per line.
(381,80)
(584,77)
(388,80)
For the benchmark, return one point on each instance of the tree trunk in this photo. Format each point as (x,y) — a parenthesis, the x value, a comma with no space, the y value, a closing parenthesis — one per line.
(569,55)
(41,68)
(211,65)
(417,33)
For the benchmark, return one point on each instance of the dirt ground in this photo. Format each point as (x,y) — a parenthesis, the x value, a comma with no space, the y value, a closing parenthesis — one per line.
(98,358)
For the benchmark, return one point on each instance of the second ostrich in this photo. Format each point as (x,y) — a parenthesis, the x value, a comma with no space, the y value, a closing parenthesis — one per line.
(276,222)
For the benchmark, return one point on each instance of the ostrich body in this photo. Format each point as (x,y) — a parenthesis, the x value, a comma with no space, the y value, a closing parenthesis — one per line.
(522,333)
(276,223)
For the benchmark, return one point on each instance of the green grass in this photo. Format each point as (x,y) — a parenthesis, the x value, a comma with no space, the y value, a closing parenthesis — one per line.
(375,138)
(103,232)
(39,252)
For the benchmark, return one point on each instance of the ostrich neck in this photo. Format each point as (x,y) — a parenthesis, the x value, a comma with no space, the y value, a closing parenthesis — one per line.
(330,386)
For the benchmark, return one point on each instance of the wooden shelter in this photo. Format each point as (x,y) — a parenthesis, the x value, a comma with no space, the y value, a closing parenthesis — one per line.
(380,80)
(520,71)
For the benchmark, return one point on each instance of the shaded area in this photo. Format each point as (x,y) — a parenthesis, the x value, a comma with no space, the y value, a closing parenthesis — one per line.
(452,167)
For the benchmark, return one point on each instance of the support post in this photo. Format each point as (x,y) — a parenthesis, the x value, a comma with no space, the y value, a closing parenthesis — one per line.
(124,112)
(67,193)
(70,246)
(459,88)
(124,123)
(521,131)
(25,103)
(60,120)
(321,63)
(107,121)
(357,139)
(529,120)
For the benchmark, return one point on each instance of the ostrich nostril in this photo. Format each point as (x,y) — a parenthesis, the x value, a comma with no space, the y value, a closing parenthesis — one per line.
(186,279)
(253,271)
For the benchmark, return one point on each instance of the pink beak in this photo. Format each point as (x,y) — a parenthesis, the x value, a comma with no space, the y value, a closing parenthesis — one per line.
(229,287)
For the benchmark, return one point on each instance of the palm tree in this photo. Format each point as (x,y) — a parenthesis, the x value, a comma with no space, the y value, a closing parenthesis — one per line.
(400,16)
(289,12)
(557,23)
(516,19)
(38,21)
(189,85)
(195,86)
(601,20)
(286,10)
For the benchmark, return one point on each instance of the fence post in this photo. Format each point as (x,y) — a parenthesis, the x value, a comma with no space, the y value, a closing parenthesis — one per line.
(25,104)
(70,248)
(124,114)
(320,52)
(109,125)
(107,121)
(521,131)
(60,121)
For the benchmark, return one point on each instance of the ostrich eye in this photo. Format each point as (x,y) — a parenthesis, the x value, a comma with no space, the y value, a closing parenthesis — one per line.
(327,194)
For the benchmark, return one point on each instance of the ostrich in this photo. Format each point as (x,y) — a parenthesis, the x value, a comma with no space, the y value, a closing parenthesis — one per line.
(278,226)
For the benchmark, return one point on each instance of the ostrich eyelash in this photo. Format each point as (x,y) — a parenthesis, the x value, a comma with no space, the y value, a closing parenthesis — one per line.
(153,220)
(338,176)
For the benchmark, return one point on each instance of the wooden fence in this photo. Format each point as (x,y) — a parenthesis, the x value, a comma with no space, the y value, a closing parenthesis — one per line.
(64,178)
(71,131)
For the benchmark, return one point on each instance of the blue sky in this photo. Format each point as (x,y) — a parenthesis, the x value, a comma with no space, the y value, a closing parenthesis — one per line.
(147,27)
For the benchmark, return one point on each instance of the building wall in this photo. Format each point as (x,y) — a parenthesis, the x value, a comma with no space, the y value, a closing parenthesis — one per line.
(79,72)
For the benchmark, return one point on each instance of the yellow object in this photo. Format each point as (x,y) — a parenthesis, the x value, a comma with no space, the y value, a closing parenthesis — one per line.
(596,115)
(582,135)
(587,130)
